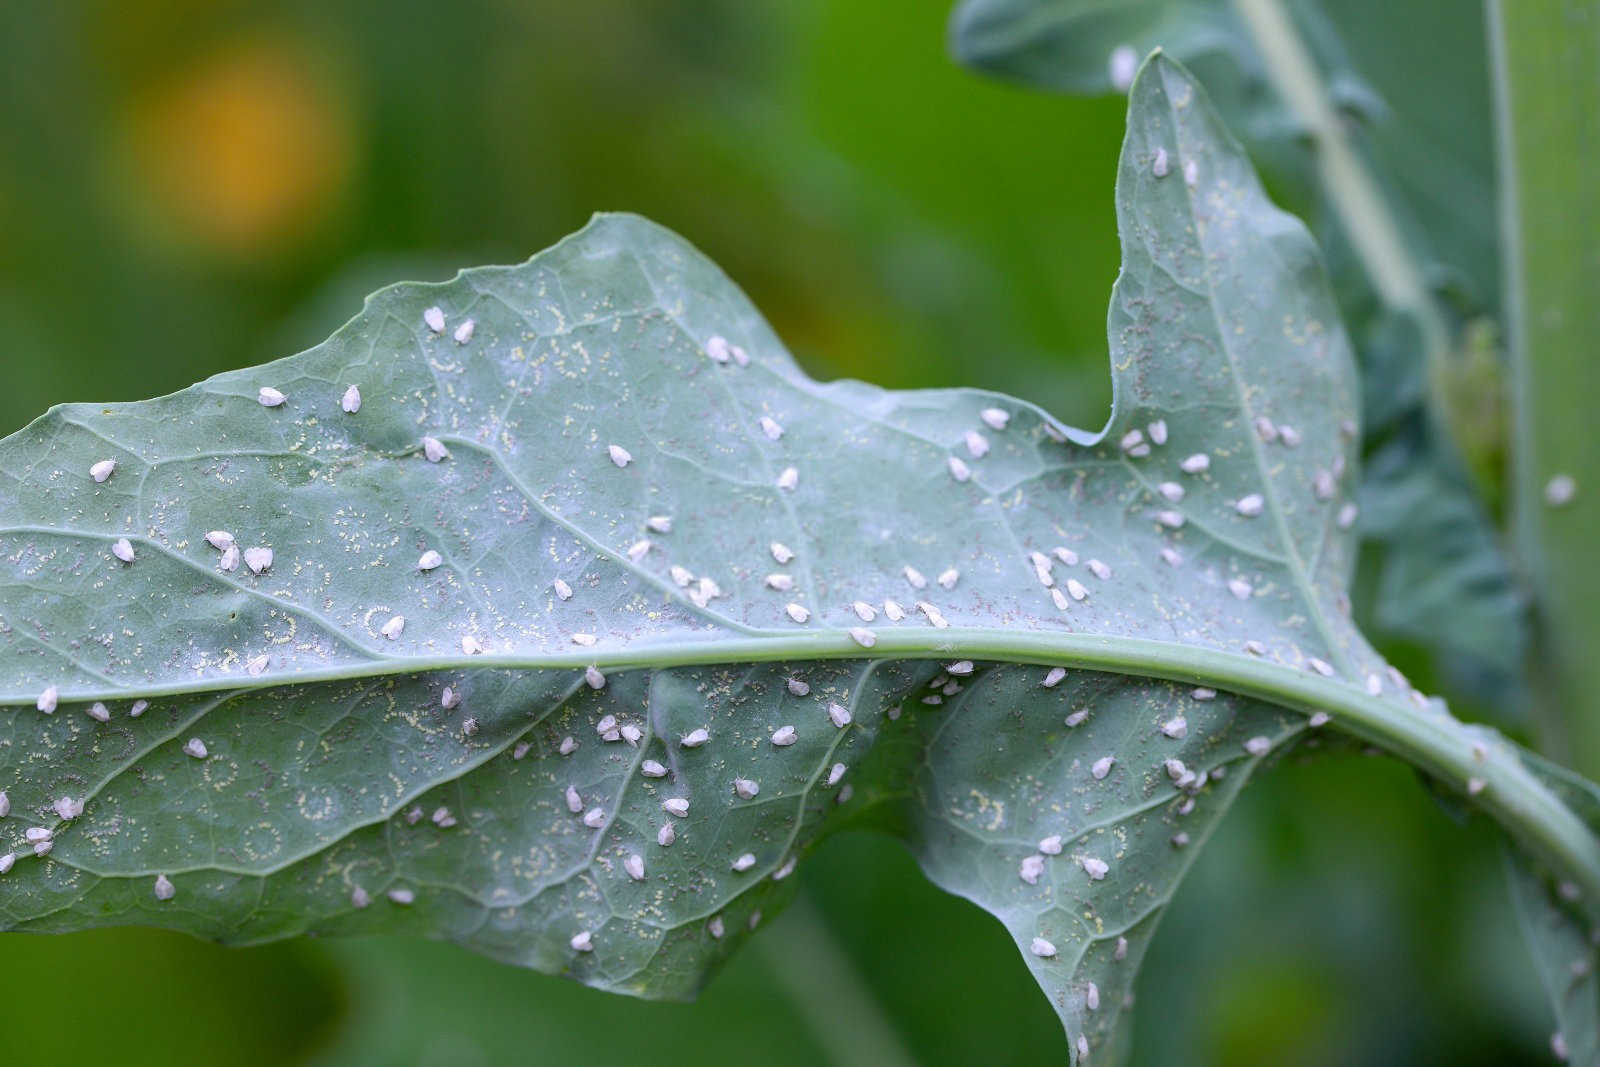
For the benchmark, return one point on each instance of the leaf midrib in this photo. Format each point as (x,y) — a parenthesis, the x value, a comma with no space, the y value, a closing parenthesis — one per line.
(1431,742)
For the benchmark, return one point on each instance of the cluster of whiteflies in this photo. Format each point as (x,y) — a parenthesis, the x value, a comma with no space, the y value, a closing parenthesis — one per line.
(1052,567)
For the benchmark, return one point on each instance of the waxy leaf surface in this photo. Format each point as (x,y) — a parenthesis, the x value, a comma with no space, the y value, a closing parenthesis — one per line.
(1444,582)
(610,383)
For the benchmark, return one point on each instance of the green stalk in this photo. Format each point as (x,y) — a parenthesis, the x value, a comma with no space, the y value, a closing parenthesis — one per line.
(828,993)
(1344,177)
(1546,69)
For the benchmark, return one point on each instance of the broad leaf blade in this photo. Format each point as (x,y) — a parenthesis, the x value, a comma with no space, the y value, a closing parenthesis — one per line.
(1004,774)
(1443,214)
(1565,960)
(1558,931)
(340,791)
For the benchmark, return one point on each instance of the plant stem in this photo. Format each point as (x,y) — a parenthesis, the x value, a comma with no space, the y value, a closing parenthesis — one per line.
(1546,69)
(1345,179)
(1430,740)
(828,993)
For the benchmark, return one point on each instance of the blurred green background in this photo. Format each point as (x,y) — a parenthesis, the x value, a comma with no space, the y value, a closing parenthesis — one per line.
(194,185)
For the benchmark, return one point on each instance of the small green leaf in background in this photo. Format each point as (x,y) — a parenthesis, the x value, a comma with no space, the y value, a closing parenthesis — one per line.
(554,612)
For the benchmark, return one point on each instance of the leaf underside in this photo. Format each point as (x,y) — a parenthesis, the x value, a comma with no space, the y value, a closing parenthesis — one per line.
(338,794)
(1560,935)
(1470,610)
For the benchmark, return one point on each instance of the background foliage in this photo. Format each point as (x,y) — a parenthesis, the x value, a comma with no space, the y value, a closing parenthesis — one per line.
(194,187)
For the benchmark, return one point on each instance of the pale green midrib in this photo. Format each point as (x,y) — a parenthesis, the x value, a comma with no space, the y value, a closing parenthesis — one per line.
(1431,741)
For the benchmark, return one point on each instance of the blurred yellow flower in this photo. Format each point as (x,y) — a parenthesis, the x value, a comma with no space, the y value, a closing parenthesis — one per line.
(245,153)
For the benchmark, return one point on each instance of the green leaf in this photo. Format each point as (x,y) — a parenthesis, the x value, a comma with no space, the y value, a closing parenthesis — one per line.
(1440,560)
(1557,931)
(1565,960)
(1412,244)
(617,380)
